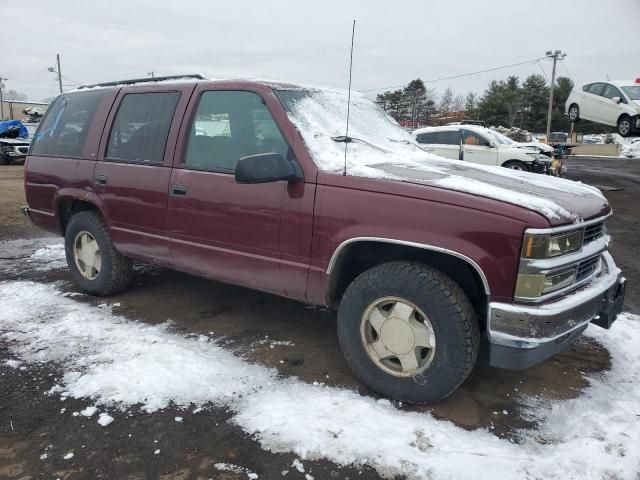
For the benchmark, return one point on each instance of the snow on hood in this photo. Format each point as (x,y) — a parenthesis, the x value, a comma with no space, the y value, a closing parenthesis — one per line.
(382,149)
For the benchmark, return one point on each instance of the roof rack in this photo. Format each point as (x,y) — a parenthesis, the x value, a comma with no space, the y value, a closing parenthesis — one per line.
(196,76)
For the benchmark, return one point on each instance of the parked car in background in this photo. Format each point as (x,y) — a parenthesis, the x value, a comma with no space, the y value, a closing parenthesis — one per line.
(558,138)
(14,141)
(613,103)
(534,145)
(245,182)
(481,145)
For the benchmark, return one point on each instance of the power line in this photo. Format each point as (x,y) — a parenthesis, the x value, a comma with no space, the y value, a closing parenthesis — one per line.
(461,75)
(566,70)
(71,80)
(544,72)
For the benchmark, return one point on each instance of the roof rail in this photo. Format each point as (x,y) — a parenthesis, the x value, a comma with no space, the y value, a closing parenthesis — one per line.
(196,76)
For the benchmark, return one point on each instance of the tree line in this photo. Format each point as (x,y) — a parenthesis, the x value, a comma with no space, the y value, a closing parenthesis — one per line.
(508,102)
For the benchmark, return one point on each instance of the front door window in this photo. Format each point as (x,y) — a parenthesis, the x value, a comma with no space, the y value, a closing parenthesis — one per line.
(227,126)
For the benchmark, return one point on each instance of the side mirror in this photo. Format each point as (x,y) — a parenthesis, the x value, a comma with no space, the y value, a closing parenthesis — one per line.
(265,168)
(617,99)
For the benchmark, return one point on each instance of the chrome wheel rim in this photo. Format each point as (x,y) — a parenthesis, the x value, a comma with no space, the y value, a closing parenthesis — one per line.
(397,336)
(86,254)
(515,166)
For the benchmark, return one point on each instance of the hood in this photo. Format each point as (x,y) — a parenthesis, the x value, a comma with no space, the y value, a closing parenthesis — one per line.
(378,148)
(560,201)
(15,141)
(540,146)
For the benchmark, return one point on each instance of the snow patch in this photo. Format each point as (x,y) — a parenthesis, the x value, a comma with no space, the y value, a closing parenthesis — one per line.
(122,363)
(105,419)
(88,412)
(230,467)
(13,363)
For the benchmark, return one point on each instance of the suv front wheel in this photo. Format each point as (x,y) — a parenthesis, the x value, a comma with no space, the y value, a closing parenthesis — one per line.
(625,125)
(95,265)
(408,332)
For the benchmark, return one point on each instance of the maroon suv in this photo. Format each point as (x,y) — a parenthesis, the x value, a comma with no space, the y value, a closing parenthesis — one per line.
(256,184)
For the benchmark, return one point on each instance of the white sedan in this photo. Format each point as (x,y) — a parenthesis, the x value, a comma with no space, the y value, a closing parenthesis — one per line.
(616,104)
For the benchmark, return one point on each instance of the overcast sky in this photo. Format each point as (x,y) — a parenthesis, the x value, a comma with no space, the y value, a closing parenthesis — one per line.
(308,42)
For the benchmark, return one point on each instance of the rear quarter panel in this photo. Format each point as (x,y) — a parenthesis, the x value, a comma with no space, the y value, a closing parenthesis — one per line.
(48,179)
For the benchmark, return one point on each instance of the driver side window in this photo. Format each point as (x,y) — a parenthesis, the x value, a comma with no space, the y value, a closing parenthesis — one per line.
(229,125)
(473,139)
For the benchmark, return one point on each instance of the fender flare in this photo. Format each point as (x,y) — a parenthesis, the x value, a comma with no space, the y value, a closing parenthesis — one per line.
(340,248)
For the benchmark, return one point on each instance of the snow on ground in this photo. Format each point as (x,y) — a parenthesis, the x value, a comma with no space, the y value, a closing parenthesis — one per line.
(120,364)
(230,467)
(38,254)
(629,146)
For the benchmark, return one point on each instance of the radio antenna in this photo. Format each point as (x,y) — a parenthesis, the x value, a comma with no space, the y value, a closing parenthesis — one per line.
(346,135)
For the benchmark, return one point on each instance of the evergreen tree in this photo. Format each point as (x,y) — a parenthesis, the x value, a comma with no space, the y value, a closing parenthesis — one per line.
(471,105)
(535,99)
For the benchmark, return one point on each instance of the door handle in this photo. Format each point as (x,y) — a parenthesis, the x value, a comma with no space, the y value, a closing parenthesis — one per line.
(177,189)
(100,179)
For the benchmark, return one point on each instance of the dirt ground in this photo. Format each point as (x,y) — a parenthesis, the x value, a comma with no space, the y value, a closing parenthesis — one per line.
(31,423)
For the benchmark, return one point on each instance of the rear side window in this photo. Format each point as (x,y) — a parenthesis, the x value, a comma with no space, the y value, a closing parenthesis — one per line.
(64,130)
(596,88)
(425,137)
(141,127)
(449,137)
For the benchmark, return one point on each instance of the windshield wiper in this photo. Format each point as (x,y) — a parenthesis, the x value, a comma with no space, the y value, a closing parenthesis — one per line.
(345,139)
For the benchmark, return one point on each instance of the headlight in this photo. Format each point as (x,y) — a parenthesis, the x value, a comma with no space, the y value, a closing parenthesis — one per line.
(532,154)
(548,246)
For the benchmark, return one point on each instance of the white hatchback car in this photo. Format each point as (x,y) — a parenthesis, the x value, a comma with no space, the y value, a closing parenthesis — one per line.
(616,104)
(481,145)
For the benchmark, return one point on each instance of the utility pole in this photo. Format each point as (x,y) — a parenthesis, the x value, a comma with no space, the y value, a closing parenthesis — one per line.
(151,74)
(2,79)
(59,71)
(556,55)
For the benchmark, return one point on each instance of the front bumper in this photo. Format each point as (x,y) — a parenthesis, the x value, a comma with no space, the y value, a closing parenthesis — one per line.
(522,335)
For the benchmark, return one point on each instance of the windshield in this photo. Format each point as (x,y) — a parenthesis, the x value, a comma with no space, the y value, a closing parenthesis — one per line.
(321,114)
(500,138)
(632,92)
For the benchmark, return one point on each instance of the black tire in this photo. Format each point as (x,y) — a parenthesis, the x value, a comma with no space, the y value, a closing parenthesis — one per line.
(449,312)
(625,126)
(4,160)
(574,112)
(516,165)
(115,270)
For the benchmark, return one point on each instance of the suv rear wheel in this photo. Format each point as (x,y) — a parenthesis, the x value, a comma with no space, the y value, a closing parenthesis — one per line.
(95,265)
(408,332)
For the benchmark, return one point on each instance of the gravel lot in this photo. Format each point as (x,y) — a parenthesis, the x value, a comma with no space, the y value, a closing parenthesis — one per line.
(36,433)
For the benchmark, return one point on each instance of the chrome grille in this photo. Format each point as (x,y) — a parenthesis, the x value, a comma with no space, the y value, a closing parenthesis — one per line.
(587,268)
(23,150)
(593,232)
